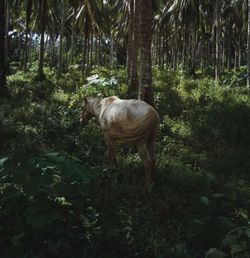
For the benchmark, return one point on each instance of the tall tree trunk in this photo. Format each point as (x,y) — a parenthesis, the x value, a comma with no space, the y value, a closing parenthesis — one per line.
(111,53)
(239,53)
(85,45)
(217,40)
(2,47)
(129,38)
(145,81)
(248,47)
(100,51)
(60,57)
(91,48)
(96,49)
(7,23)
(41,75)
(133,72)
(229,51)
(27,32)
(223,54)
(235,57)
(73,38)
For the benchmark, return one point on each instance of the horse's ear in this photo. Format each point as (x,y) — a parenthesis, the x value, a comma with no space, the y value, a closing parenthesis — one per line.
(85,100)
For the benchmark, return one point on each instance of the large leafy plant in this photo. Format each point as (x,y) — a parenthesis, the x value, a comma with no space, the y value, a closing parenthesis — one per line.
(38,195)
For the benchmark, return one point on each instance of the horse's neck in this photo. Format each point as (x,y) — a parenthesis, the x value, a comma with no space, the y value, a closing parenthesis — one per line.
(96,107)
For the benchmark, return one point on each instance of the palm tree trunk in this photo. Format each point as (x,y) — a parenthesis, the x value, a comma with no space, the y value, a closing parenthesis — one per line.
(129,39)
(85,45)
(111,53)
(239,53)
(73,38)
(3,88)
(60,57)
(41,75)
(41,57)
(91,48)
(217,40)
(7,22)
(99,51)
(145,82)
(96,50)
(27,32)
(133,72)
(235,57)
(248,47)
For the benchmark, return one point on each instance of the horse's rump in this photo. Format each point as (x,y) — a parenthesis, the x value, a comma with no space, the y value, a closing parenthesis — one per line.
(129,129)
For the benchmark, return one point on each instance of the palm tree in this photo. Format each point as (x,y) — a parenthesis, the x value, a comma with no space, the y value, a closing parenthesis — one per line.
(28,9)
(3,88)
(43,20)
(63,14)
(248,46)
(217,40)
(132,48)
(145,40)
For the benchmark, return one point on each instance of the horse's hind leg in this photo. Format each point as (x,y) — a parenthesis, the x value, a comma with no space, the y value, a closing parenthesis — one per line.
(147,162)
(111,156)
(151,150)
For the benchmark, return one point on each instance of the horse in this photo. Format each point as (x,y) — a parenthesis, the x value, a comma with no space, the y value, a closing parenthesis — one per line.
(125,122)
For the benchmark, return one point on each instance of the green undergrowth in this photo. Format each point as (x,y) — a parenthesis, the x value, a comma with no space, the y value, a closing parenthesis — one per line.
(58,199)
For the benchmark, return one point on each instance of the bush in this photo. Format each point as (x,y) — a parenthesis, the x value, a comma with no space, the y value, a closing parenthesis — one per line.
(40,195)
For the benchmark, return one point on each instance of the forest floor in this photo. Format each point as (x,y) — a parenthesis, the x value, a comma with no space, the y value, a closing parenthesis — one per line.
(58,199)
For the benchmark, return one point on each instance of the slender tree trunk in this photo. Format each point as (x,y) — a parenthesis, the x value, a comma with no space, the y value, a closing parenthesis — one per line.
(133,72)
(7,35)
(129,38)
(91,49)
(239,52)
(41,56)
(60,57)
(96,50)
(4,92)
(73,38)
(217,40)
(223,54)
(248,47)
(27,32)
(53,48)
(229,50)
(145,82)
(41,75)
(235,57)
(111,53)
(85,45)
(100,51)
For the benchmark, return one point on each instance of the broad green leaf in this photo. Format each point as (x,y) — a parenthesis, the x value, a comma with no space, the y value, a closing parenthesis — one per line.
(248,232)
(229,240)
(16,239)
(237,248)
(204,200)
(3,160)
(215,253)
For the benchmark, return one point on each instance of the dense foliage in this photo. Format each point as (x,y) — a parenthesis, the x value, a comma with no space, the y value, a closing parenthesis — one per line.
(58,199)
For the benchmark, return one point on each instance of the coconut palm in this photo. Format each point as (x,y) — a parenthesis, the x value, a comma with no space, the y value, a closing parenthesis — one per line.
(248,46)
(145,41)
(2,47)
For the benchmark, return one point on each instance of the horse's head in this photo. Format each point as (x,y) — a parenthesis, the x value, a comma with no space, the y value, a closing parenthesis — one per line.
(87,111)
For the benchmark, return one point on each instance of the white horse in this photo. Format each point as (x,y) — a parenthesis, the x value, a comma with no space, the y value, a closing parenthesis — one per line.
(125,122)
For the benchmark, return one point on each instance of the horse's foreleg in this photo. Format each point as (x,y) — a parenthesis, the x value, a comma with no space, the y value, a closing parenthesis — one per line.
(111,158)
(151,150)
(147,162)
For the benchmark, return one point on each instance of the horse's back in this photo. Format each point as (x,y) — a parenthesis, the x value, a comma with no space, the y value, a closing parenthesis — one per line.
(128,120)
